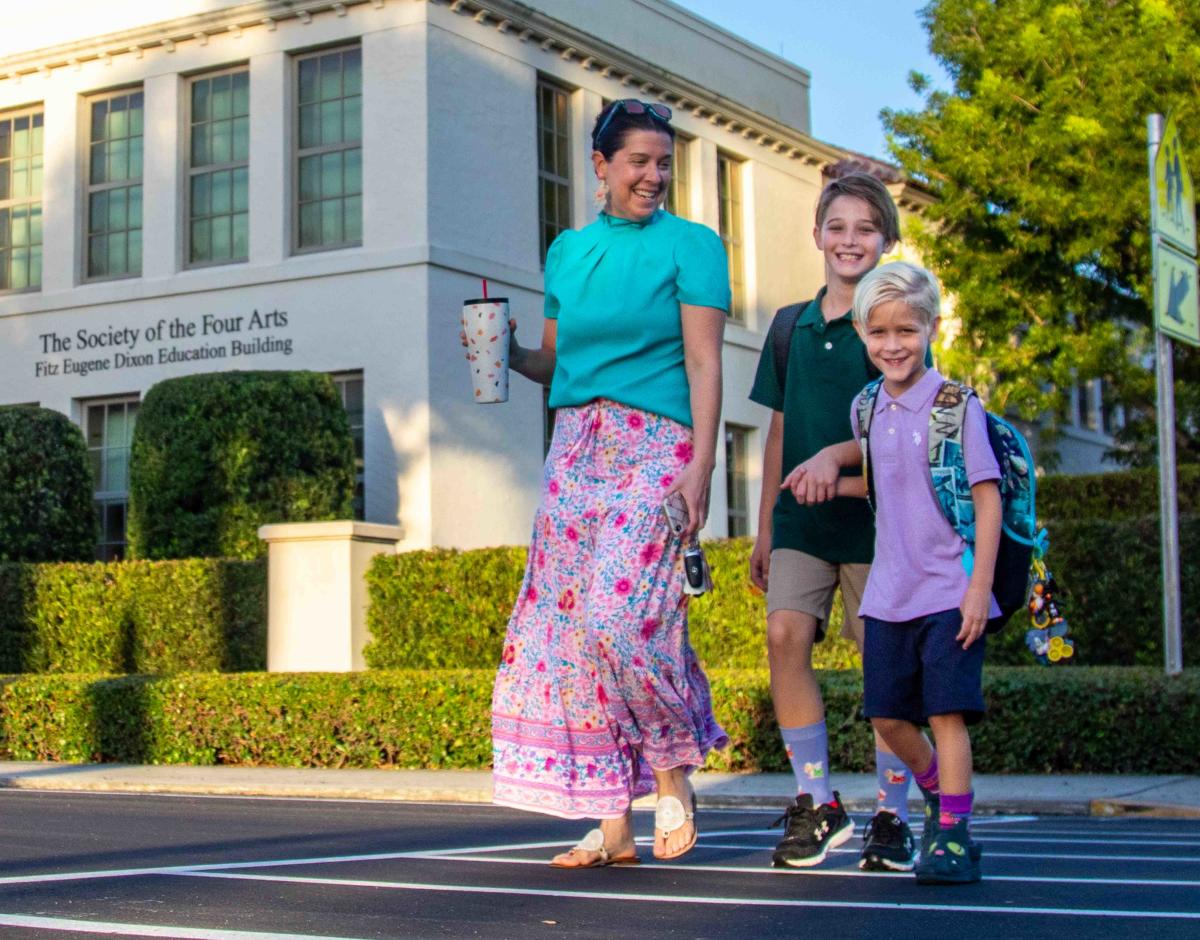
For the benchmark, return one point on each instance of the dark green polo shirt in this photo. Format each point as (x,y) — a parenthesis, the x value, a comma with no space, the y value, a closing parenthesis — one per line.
(827,368)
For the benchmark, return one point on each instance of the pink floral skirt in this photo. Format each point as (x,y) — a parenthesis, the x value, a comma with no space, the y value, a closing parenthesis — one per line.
(598,682)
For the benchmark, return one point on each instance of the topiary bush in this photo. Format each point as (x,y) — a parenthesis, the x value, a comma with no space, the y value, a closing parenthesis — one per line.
(217,455)
(194,614)
(46,511)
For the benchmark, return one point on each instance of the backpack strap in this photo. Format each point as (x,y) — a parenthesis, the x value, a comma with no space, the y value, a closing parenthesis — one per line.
(780,338)
(865,404)
(947,463)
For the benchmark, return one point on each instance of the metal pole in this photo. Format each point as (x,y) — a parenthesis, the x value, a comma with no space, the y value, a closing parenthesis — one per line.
(1167,496)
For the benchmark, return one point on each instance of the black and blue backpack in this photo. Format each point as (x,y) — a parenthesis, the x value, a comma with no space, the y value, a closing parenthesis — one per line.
(1021,542)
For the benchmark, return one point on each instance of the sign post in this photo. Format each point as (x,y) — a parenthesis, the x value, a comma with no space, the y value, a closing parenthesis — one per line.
(1176,314)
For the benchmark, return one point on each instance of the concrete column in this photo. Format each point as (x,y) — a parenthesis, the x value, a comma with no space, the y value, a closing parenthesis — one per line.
(60,190)
(270,150)
(161,192)
(317,592)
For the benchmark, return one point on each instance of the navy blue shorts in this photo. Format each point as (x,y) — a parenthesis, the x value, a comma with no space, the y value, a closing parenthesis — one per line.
(915,669)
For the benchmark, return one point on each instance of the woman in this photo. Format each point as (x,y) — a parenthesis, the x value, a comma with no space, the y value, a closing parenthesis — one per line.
(599,697)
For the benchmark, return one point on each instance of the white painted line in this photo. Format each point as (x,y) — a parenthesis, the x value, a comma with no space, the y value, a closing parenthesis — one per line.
(678,899)
(148,930)
(830,872)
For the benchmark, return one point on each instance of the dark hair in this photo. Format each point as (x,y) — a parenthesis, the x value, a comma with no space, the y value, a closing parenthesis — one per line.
(873,193)
(621,124)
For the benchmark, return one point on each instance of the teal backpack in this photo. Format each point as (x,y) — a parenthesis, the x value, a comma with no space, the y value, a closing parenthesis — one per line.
(1021,542)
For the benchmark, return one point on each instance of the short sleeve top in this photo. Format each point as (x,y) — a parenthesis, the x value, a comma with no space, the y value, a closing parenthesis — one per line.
(615,288)
(827,368)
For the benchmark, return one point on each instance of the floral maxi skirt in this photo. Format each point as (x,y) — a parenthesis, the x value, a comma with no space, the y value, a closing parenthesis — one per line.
(598,682)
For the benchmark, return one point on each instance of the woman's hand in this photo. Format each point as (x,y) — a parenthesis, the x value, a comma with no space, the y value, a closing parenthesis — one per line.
(694,483)
(516,351)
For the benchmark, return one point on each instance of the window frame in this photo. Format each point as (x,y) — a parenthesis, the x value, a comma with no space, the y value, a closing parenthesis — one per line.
(298,154)
(89,188)
(102,498)
(547,176)
(681,182)
(341,381)
(730,208)
(191,171)
(37,162)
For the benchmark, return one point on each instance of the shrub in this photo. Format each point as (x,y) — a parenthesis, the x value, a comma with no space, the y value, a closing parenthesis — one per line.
(1127,494)
(46,511)
(449,609)
(215,456)
(153,617)
(1040,720)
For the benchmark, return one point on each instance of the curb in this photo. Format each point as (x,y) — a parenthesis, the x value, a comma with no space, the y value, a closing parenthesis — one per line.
(1113,808)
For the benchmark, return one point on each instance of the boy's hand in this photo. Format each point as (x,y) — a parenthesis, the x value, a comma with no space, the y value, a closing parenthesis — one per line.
(760,561)
(815,480)
(974,608)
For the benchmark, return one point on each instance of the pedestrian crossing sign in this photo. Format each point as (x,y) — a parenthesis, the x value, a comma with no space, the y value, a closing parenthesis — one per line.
(1175,202)
(1176,297)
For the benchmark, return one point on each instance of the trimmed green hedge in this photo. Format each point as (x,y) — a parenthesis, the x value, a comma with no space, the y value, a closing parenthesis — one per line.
(147,617)
(46,511)
(217,455)
(1127,494)
(446,609)
(1041,720)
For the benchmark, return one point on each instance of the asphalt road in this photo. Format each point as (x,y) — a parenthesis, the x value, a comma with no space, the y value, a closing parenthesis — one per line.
(75,865)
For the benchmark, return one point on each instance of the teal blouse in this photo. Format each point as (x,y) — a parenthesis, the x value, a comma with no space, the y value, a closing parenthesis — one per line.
(615,288)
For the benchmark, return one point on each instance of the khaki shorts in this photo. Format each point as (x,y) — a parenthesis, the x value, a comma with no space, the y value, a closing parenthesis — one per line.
(805,583)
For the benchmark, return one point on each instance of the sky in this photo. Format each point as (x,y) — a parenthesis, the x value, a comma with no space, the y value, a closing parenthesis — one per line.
(864,69)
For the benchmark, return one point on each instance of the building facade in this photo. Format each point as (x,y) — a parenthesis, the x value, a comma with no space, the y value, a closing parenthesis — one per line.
(319,185)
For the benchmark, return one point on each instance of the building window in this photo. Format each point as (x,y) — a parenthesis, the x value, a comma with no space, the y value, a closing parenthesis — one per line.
(109,425)
(350,387)
(737,483)
(548,414)
(21,200)
(219,162)
(329,150)
(114,193)
(554,163)
(729,198)
(1085,411)
(679,200)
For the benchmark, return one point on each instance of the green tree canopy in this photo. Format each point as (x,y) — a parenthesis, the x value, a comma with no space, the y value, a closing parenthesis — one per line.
(1038,156)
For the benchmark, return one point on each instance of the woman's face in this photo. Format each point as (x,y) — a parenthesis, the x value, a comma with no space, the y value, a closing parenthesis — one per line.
(637,175)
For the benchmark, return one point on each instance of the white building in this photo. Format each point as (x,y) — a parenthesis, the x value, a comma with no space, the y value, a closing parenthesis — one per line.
(319,185)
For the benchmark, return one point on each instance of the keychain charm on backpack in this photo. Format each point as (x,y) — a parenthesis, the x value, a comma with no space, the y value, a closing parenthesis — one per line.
(1047,637)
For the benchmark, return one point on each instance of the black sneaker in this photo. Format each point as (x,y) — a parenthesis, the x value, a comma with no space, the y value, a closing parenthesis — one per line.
(953,858)
(811,833)
(888,844)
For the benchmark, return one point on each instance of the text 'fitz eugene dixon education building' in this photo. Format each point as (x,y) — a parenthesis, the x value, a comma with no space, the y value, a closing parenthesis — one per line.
(319,185)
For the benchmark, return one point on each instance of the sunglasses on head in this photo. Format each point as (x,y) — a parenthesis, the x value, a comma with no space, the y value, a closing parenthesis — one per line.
(633,106)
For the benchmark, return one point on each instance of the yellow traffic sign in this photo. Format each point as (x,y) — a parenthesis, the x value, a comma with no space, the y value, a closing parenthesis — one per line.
(1175,205)
(1176,296)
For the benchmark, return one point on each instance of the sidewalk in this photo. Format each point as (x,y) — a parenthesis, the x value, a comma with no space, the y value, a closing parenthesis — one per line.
(1077,795)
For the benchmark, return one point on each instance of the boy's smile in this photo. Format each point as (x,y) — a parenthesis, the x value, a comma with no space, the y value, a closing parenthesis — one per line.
(897,340)
(850,239)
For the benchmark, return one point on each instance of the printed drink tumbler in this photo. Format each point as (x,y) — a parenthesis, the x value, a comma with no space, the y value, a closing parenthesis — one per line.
(486,324)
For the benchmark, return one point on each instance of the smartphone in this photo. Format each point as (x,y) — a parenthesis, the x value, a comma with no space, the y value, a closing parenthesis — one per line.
(676,511)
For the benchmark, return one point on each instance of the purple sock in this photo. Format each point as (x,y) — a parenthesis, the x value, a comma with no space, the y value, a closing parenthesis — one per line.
(808,750)
(956,806)
(928,778)
(893,778)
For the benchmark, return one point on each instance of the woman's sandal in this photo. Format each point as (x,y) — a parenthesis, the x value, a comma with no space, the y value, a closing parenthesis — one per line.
(594,842)
(670,816)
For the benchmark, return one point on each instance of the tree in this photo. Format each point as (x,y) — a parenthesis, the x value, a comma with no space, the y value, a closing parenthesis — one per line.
(1042,232)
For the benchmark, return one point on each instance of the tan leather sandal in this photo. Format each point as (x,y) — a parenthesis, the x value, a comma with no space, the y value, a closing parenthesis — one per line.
(594,842)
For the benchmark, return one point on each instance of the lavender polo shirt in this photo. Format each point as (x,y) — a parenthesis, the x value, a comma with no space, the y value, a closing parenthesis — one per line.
(918,556)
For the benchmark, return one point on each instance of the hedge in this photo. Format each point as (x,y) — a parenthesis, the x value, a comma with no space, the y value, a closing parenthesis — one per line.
(1041,720)
(217,455)
(1128,494)
(449,609)
(46,511)
(155,617)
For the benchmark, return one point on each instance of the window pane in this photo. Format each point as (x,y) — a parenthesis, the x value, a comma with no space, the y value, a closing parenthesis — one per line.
(200,194)
(352,72)
(221,240)
(222,97)
(331,221)
(353,218)
(241,190)
(331,76)
(117,208)
(241,235)
(135,252)
(310,127)
(99,111)
(310,224)
(331,122)
(353,176)
(5,139)
(135,207)
(98,256)
(241,138)
(241,93)
(35,266)
(331,174)
(310,178)
(5,173)
(201,244)
(200,92)
(352,131)
(118,160)
(222,197)
(98,212)
(308,80)
(118,256)
(222,141)
(200,145)
(99,166)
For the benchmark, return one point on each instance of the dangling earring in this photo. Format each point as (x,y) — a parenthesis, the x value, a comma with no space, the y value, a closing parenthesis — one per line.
(601,196)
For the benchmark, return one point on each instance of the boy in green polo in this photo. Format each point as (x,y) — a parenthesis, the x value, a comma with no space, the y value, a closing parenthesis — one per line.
(806,549)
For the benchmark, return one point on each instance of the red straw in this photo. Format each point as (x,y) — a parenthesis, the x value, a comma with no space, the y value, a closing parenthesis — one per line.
(484,288)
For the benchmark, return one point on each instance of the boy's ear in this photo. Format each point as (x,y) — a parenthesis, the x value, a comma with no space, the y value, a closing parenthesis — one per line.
(817,237)
(933,329)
